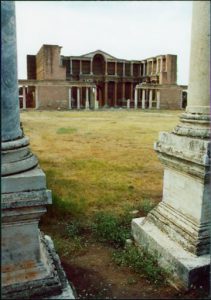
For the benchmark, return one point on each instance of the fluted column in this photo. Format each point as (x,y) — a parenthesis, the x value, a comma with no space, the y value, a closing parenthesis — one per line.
(10,118)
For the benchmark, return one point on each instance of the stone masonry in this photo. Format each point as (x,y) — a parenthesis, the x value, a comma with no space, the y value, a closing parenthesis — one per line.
(30,267)
(177,230)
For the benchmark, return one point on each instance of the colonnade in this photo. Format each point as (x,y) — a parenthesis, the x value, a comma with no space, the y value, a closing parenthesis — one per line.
(91,96)
(146,67)
(145,96)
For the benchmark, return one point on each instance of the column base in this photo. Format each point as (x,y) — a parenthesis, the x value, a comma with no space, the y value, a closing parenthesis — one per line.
(185,269)
(30,267)
(53,286)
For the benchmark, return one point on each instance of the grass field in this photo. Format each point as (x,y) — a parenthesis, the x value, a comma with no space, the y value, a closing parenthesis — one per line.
(99,160)
(103,171)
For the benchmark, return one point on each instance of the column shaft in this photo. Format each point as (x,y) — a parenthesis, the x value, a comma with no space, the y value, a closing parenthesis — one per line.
(106,93)
(87,98)
(71,67)
(143,99)
(158,99)
(36,97)
(10,118)
(24,97)
(150,99)
(123,68)
(115,68)
(123,91)
(80,67)
(115,93)
(70,98)
(78,98)
(136,98)
(199,74)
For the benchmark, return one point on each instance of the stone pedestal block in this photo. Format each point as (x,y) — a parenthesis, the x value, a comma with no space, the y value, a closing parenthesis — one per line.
(29,269)
(177,230)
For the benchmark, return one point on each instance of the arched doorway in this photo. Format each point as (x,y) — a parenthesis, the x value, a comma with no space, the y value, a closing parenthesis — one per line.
(98,65)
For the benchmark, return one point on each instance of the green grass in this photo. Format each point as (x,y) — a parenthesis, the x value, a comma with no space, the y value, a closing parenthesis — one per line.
(67,130)
(141,262)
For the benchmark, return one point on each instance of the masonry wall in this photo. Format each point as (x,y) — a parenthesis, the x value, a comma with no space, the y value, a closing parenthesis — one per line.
(54,97)
(171,98)
(48,63)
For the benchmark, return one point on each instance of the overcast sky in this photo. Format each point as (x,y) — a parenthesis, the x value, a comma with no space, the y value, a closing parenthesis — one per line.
(124,29)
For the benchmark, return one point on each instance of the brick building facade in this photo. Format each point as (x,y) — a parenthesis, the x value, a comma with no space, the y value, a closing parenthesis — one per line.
(99,80)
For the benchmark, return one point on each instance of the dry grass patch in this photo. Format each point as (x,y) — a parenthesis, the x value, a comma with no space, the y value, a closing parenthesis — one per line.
(104,158)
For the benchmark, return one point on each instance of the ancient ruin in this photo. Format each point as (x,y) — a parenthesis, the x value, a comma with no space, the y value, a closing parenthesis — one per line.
(68,82)
(30,266)
(178,228)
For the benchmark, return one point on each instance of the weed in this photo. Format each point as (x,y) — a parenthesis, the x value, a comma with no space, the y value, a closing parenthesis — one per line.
(74,228)
(66,130)
(146,205)
(141,262)
(108,227)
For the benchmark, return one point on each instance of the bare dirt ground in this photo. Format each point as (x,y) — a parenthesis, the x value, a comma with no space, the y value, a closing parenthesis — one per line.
(95,276)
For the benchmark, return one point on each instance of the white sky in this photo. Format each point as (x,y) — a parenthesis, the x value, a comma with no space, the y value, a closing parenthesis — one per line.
(124,29)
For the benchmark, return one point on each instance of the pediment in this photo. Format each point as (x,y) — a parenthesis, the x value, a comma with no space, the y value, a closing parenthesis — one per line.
(92,54)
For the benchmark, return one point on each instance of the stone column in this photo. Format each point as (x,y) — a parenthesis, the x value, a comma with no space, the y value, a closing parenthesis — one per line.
(24,97)
(87,99)
(144,69)
(115,93)
(156,65)
(78,98)
(178,228)
(106,93)
(143,99)
(166,63)
(161,64)
(158,99)
(115,68)
(71,67)
(30,267)
(123,68)
(36,97)
(81,67)
(136,99)
(94,102)
(131,69)
(131,91)
(140,71)
(91,67)
(150,99)
(70,98)
(106,67)
(123,91)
